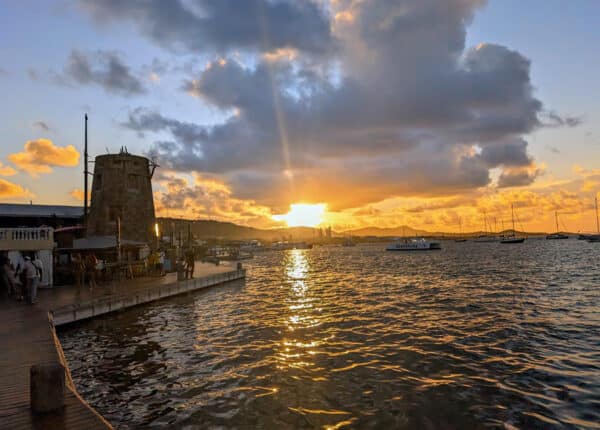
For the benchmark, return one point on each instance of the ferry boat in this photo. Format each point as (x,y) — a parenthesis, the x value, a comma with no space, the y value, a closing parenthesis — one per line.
(414,244)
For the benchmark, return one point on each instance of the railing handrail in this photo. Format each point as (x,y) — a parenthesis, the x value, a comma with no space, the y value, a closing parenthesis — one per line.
(27,233)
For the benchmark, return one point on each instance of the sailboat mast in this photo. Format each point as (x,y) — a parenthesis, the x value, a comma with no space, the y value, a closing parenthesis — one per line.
(485,222)
(85,175)
(597,221)
(512,210)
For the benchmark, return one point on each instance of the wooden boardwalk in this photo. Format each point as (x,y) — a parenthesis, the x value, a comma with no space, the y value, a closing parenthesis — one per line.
(28,337)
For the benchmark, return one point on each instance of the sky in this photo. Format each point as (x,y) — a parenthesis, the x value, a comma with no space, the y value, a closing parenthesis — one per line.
(435,114)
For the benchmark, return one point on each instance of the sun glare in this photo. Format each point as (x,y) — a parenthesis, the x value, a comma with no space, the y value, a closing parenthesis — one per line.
(303,215)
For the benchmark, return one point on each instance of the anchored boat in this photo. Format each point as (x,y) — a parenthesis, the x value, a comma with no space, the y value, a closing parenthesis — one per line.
(557,235)
(595,237)
(512,238)
(414,244)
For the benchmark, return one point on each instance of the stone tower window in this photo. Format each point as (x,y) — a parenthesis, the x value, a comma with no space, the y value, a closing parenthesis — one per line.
(98,182)
(132,182)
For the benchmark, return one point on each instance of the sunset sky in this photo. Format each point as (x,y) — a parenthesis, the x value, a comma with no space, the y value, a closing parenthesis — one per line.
(417,112)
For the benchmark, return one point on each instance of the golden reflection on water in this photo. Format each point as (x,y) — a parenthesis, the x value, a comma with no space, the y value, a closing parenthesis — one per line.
(296,350)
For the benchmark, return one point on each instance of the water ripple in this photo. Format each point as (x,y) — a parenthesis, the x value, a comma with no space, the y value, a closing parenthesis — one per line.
(474,336)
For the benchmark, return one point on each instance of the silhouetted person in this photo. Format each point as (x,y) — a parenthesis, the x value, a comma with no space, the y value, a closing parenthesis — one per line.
(78,270)
(90,268)
(32,279)
(189,264)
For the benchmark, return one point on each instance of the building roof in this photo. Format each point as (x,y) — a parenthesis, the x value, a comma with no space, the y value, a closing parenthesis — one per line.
(23,210)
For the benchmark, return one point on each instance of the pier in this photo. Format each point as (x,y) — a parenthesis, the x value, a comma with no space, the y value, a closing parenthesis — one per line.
(28,338)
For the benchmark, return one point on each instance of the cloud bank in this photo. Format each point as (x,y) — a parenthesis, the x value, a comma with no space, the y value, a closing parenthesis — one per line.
(41,155)
(103,68)
(9,190)
(343,102)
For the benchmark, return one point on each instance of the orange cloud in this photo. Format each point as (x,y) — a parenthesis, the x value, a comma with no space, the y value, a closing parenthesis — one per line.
(77,194)
(11,190)
(202,197)
(41,155)
(6,170)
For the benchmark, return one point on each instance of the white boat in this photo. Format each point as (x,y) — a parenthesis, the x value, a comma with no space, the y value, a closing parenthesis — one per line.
(413,244)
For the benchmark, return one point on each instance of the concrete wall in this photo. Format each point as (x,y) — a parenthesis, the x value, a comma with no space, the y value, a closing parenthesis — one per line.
(73,313)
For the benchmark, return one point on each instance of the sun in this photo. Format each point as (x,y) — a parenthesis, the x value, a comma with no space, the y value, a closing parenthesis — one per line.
(303,215)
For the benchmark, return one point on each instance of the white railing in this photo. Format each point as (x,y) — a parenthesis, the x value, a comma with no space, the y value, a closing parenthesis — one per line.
(41,237)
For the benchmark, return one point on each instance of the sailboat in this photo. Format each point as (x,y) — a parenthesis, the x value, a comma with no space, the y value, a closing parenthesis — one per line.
(485,237)
(460,237)
(595,237)
(557,235)
(512,238)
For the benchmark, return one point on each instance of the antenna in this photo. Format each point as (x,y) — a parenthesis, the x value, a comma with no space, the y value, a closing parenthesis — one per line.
(153,165)
(85,176)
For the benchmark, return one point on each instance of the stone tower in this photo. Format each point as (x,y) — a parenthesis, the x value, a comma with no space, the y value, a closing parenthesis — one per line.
(122,187)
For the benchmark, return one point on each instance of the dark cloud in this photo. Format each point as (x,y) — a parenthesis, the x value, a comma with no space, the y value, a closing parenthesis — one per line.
(516,178)
(103,68)
(552,119)
(511,154)
(204,25)
(398,110)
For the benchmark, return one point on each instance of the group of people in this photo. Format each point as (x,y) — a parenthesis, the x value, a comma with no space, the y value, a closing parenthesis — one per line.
(21,282)
(156,262)
(189,259)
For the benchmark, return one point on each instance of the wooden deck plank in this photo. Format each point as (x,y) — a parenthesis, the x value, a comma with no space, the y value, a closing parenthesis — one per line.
(28,337)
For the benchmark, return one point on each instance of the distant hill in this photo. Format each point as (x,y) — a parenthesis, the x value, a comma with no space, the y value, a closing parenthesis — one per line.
(209,229)
(386,232)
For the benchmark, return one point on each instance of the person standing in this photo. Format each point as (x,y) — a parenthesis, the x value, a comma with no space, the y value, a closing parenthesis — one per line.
(39,266)
(90,268)
(161,262)
(78,270)
(31,280)
(4,281)
(189,260)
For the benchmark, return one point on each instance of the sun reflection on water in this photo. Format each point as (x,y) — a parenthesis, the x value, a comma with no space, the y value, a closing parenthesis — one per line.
(298,345)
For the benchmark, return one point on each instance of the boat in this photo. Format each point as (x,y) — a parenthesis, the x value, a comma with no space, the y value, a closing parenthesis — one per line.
(595,238)
(282,246)
(413,244)
(486,237)
(460,237)
(512,238)
(557,235)
(348,242)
